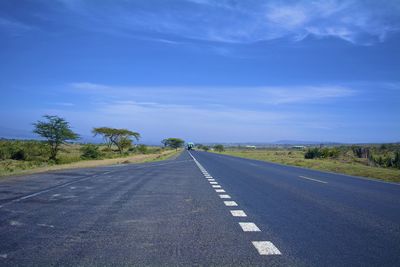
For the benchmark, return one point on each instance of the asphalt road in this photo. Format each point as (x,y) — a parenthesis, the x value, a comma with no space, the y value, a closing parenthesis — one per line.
(179,212)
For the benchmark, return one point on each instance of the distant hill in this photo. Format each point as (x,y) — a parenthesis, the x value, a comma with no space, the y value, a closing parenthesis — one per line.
(10,133)
(299,142)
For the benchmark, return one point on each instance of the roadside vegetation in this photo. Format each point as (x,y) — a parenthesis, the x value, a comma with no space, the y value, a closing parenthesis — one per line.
(381,161)
(59,149)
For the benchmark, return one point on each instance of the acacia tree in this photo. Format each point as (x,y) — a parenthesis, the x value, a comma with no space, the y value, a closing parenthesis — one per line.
(56,131)
(121,138)
(173,143)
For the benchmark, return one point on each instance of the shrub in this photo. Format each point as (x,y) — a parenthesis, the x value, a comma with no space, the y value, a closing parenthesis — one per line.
(219,148)
(312,153)
(23,150)
(142,149)
(90,151)
(18,154)
(361,152)
(396,161)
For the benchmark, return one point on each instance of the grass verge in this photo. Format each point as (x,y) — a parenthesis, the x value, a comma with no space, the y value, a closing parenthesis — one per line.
(92,163)
(296,158)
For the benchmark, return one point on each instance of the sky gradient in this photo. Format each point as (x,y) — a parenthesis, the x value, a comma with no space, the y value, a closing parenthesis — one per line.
(203,70)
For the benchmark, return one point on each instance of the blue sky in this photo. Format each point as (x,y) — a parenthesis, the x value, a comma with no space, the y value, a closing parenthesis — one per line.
(203,70)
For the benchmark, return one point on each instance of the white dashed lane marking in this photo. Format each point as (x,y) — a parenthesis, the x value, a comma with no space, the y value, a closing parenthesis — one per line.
(249,227)
(262,247)
(238,213)
(230,203)
(266,248)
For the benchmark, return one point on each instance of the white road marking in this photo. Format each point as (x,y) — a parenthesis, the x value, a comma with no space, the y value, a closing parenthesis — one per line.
(45,225)
(230,203)
(238,213)
(266,248)
(15,223)
(311,179)
(249,227)
(3,256)
(54,188)
(263,247)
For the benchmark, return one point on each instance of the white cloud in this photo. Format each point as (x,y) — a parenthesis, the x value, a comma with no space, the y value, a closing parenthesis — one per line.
(14,26)
(305,94)
(357,21)
(353,21)
(214,96)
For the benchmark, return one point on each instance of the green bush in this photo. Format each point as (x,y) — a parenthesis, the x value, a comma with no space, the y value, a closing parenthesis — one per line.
(23,150)
(219,148)
(18,154)
(312,153)
(90,151)
(142,149)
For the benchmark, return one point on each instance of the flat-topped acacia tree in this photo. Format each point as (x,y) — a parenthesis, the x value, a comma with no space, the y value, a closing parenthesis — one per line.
(56,131)
(173,142)
(121,138)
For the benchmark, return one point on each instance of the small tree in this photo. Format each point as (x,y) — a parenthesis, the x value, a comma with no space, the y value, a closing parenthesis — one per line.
(56,131)
(173,143)
(219,148)
(121,138)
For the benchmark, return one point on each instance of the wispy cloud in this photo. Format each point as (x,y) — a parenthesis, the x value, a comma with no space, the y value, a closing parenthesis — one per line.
(13,26)
(210,113)
(357,21)
(220,95)
(305,94)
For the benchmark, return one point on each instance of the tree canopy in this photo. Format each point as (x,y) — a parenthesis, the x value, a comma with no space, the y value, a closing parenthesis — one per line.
(173,142)
(121,138)
(219,148)
(56,131)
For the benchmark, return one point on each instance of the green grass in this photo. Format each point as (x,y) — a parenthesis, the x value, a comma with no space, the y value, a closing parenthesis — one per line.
(344,164)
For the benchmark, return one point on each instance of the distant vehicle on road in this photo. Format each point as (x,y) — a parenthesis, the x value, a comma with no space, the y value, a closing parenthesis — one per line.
(190,146)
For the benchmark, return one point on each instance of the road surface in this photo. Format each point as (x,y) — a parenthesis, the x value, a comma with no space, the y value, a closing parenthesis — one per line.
(198,209)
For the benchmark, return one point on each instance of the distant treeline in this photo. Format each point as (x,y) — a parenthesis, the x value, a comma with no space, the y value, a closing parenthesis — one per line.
(57,136)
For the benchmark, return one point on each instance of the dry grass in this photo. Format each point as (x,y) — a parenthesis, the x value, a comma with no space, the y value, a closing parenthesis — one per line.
(342,165)
(96,163)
